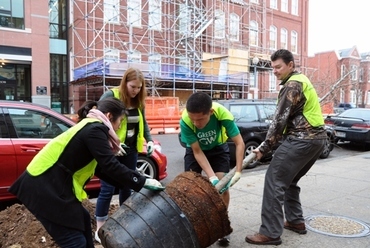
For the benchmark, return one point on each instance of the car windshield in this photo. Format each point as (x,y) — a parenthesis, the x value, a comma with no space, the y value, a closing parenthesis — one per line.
(356,113)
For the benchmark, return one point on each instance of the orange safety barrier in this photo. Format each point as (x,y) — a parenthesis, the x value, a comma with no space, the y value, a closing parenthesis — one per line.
(162,125)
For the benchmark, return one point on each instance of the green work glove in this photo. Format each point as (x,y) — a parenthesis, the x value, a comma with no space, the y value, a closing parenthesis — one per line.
(122,151)
(153,184)
(150,148)
(214,180)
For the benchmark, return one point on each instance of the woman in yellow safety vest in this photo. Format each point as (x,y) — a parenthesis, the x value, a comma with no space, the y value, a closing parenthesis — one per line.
(52,186)
(133,132)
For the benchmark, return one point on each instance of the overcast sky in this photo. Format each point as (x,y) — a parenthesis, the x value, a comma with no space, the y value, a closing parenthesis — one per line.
(338,24)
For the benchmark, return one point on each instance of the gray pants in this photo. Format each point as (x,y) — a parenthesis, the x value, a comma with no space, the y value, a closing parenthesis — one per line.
(292,160)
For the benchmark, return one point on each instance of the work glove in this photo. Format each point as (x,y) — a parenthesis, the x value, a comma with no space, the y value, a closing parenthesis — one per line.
(153,184)
(235,178)
(214,180)
(150,148)
(122,151)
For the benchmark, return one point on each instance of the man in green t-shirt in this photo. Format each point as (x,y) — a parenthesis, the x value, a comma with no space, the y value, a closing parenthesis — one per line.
(205,128)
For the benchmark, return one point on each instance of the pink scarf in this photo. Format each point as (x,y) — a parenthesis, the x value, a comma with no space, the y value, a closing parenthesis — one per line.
(113,138)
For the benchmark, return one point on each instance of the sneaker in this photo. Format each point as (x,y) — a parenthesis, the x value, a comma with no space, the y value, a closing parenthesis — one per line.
(97,237)
(225,241)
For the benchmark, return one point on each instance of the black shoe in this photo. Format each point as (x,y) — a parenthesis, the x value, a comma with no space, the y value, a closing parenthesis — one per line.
(225,241)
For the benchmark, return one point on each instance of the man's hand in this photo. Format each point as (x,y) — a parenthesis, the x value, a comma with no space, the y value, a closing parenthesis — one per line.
(214,180)
(150,148)
(258,153)
(153,184)
(235,178)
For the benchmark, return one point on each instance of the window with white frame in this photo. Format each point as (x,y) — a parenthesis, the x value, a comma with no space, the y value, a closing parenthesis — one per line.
(273,37)
(361,79)
(368,75)
(234,27)
(134,13)
(352,96)
(341,95)
(353,72)
(368,98)
(155,64)
(273,4)
(112,11)
(342,71)
(254,1)
(111,55)
(284,38)
(184,61)
(219,24)
(134,56)
(184,19)
(284,5)
(294,42)
(295,7)
(253,33)
(155,14)
(272,81)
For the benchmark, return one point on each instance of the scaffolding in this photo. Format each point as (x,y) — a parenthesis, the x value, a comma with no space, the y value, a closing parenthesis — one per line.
(182,46)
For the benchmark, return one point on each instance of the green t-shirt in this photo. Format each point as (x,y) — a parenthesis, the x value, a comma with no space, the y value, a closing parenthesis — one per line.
(209,136)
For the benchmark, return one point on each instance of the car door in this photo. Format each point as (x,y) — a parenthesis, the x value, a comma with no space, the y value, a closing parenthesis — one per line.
(8,170)
(29,130)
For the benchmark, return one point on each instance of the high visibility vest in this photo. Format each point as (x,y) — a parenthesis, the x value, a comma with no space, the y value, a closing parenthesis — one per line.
(49,155)
(122,131)
(311,109)
(220,114)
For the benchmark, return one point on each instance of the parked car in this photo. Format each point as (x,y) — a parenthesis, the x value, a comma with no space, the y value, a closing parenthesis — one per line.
(343,106)
(253,118)
(25,128)
(351,125)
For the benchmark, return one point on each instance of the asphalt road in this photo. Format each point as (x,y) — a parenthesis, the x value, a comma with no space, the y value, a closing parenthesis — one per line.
(175,154)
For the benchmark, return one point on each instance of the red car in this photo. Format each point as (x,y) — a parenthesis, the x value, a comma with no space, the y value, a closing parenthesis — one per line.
(25,128)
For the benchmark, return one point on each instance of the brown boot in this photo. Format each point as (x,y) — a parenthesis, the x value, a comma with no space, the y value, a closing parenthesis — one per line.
(298,228)
(260,239)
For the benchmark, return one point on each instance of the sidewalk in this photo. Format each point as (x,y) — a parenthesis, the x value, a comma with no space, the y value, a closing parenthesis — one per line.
(334,187)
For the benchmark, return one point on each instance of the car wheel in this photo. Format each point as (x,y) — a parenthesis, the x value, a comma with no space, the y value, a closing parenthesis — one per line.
(146,167)
(327,148)
(249,147)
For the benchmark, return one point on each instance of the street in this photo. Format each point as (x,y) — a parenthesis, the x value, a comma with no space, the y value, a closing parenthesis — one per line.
(175,154)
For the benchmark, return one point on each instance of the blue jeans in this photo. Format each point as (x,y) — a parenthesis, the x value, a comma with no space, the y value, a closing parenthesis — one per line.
(107,190)
(68,237)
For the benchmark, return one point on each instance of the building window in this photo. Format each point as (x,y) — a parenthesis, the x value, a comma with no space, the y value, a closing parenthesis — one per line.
(295,7)
(155,64)
(59,82)
(273,37)
(184,19)
(219,24)
(272,82)
(57,20)
(341,95)
(273,4)
(368,98)
(294,42)
(12,13)
(234,27)
(111,55)
(352,96)
(134,57)
(111,11)
(253,33)
(353,72)
(134,13)
(361,79)
(254,1)
(342,71)
(284,5)
(155,14)
(368,75)
(284,38)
